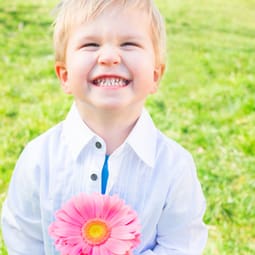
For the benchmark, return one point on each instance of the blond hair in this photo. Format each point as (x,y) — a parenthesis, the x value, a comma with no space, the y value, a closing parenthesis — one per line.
(70,13)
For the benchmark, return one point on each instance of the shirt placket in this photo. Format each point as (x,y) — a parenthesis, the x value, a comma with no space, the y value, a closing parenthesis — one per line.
(95,166)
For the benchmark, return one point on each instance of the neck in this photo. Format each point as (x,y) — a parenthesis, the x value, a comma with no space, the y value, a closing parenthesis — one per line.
(112,126)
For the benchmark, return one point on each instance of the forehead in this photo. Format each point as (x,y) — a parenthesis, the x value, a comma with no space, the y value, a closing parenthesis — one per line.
(114,18)
(133,18)
(121,24)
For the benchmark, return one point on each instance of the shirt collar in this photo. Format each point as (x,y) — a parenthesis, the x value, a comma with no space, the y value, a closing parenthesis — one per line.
(142,139)
(75,132)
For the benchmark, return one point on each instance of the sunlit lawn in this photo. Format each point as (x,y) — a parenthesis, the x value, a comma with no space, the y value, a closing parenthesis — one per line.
(206,101)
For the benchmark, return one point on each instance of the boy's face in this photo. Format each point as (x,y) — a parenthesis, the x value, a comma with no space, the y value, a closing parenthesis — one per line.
(110,61)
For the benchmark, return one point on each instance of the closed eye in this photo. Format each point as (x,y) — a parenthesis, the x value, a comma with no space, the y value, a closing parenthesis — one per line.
(130,44)
(90,45)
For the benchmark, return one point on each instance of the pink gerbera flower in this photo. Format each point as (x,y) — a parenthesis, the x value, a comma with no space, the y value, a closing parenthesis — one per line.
(95,225)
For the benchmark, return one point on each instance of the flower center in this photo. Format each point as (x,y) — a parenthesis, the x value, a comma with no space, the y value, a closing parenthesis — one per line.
(95,231)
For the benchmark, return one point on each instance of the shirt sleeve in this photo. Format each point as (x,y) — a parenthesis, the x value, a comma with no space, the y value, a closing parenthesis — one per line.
(21,219)
(181,230)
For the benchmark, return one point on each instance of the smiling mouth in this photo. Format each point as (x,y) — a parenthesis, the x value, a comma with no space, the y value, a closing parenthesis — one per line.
(114,82)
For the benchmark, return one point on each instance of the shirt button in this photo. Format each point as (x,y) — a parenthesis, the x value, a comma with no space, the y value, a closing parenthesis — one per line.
(98,145)
(93,177)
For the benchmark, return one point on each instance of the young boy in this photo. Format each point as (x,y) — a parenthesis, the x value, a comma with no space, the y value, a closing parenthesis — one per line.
(110,57)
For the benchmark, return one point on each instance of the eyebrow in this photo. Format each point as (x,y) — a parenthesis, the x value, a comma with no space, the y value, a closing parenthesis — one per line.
(124,37)
(87,38)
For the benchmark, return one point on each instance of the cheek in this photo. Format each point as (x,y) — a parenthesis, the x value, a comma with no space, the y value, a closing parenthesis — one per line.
(147,70)
(148,76)
(80,61)
(77,70)
(142,64)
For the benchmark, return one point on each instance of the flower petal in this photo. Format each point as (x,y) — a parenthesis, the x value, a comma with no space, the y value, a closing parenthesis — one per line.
(70,209)
(104,250)
(88,205)
(75,250)
(96,250)
(71,219)
(118,247)
(121,233)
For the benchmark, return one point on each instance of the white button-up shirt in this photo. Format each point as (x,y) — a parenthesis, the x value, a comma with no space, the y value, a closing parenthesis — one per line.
(152,173)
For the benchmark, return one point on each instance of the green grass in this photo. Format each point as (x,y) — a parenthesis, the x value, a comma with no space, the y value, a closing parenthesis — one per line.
(206,101)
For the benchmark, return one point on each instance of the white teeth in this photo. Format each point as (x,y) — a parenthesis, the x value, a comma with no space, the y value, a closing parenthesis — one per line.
(111,82)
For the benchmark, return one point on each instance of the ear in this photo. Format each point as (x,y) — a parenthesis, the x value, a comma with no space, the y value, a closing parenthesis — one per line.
(157,75)
(158,72)
(62,74)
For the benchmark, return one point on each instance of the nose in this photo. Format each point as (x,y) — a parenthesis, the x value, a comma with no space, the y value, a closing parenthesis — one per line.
(109,55)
